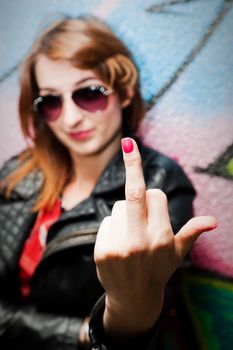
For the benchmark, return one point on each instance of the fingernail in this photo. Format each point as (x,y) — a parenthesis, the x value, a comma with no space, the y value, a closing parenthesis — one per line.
(127,144)
(212,227)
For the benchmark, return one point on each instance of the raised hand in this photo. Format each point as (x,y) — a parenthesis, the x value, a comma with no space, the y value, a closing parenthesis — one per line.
(136,251)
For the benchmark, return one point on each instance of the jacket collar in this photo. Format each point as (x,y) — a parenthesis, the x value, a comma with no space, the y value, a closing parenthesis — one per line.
(113,177)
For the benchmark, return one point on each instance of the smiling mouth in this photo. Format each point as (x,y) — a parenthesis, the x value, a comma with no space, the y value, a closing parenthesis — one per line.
(81,135)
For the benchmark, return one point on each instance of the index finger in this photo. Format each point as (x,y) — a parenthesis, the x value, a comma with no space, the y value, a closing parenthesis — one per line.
(135,189)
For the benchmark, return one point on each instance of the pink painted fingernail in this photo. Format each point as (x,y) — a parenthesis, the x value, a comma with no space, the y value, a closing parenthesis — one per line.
(127,144)
(212,227)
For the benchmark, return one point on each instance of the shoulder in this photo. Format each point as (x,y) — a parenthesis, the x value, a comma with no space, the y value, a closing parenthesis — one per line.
(29,185)
(153,159)
(9,166)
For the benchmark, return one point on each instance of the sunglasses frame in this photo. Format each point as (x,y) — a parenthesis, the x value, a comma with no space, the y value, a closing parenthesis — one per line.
(105,91)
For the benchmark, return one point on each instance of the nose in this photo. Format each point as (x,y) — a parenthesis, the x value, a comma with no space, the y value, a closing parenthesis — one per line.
(71,114)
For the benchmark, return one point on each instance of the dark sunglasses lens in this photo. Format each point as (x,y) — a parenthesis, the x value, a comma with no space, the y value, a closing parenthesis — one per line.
(50,107)
(90,100)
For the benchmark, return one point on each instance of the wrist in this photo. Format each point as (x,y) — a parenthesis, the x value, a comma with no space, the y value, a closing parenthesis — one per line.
(125,320)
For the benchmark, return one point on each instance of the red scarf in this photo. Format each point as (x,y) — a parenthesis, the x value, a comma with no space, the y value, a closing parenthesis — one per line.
(35,245)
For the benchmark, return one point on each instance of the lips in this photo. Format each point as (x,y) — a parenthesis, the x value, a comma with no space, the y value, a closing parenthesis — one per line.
(81,135)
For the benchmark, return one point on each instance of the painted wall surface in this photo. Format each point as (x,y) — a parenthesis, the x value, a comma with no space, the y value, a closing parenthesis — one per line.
(184,49)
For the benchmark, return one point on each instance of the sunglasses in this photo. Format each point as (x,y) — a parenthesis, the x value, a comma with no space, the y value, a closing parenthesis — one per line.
(92,98)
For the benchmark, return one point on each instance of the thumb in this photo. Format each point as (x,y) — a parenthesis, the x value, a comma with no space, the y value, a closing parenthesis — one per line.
(188,234)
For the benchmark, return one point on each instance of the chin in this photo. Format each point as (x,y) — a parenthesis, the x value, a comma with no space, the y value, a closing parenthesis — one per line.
(84,149)
(92,146)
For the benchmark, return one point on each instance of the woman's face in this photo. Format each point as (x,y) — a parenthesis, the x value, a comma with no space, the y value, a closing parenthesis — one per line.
(84,133)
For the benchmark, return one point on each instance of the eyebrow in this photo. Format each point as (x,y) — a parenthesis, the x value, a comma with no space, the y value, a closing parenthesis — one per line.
(75,85)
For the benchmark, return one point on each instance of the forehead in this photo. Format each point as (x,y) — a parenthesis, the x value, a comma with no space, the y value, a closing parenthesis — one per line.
(60,75)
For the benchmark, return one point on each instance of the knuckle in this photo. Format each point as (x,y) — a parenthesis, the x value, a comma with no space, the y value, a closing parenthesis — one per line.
(134,160)
(102,255)
(136,250)
(166,230)
(105,223)
(118,205)
(162,243)
(106,220)
(98,256)
(107,256)
(135,194)
(157,193)
(161,195)
(127,253)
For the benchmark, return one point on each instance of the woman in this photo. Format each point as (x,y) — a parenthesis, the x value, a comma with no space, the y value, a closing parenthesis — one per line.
(63,286)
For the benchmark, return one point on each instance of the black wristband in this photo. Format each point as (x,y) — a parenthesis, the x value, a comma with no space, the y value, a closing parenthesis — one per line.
(96,332)
(100,341)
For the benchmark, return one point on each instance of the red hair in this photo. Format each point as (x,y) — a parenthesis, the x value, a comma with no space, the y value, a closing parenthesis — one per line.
(87,43)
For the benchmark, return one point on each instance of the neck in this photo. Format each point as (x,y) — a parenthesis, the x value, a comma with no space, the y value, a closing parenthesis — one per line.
(87,170)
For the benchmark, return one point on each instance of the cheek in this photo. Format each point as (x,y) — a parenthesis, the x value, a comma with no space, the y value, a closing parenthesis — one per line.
(113,116)
(54,127)
(110,123)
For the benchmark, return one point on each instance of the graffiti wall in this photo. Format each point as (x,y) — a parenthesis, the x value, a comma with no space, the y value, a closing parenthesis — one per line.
(184,49)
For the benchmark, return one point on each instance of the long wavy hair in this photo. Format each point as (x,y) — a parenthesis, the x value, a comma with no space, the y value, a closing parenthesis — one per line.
(87,43)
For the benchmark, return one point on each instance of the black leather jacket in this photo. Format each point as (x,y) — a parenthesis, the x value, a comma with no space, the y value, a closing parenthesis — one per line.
(65,287)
